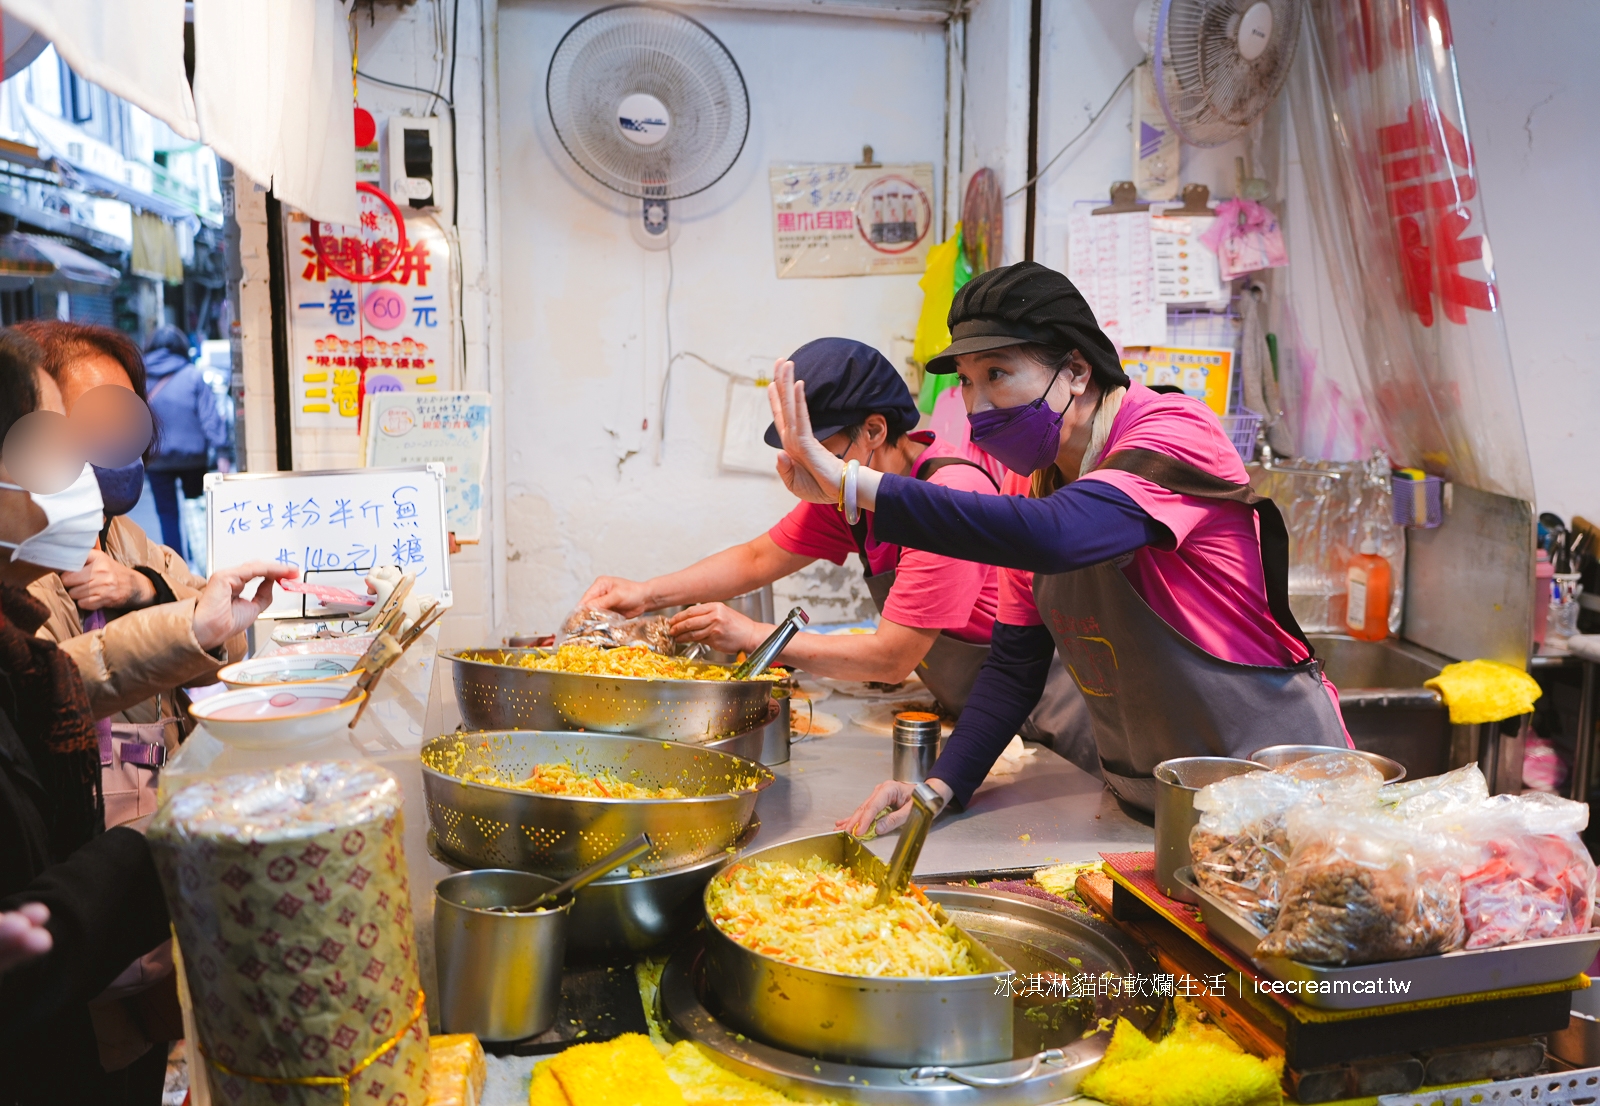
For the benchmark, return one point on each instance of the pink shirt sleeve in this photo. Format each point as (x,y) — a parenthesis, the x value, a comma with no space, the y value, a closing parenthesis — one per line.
(814,530)
(942,593)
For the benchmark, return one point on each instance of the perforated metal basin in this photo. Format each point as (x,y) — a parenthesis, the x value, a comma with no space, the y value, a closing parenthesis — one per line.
(483,826)
(495,694)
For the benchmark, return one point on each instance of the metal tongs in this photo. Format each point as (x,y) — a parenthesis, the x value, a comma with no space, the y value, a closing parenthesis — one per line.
(926,803)
(767,652)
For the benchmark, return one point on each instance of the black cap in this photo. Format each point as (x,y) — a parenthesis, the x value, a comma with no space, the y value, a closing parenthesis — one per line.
(1022,303)
(845,382)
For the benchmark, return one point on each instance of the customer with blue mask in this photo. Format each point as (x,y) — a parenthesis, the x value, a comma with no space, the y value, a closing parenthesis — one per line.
(191,426)
(125,616)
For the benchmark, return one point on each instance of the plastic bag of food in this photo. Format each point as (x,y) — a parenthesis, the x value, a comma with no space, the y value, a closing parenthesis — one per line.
(1241,844)
(1528,874)
(1364,886)
(1446,795)
(608,629)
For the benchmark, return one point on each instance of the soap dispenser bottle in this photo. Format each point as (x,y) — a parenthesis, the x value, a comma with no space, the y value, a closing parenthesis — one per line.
(1369,592)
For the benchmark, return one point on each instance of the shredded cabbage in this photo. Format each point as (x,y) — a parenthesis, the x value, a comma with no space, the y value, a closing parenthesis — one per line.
(818,915)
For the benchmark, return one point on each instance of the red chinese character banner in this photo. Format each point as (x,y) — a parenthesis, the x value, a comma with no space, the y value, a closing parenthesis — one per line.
(1393,189)
(352,339)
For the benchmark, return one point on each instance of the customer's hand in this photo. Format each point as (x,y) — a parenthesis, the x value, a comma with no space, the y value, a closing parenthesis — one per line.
(629,598)
(222,612)
(807,468)
(887,808)
(23,935)
(104,583)
(719,626)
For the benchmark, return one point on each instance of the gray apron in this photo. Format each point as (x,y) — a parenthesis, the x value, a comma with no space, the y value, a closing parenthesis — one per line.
(1152,693)
(950,667)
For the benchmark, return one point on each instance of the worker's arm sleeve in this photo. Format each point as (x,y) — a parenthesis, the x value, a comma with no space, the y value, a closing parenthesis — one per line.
(1007,689)
(1085,523)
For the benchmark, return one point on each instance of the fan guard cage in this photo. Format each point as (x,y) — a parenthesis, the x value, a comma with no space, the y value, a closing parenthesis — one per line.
(1209,91)
(626,49)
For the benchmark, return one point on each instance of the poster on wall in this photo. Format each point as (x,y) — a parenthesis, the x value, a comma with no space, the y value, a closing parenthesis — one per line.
(1109,258)
(348,340)
(850,220)
(1201,373)
(446,428)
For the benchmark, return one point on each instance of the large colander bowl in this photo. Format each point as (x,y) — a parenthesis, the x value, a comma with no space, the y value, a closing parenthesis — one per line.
(494,693)
(484,826)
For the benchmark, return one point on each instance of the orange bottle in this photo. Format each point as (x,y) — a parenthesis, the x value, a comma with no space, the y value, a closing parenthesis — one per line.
(1368,587)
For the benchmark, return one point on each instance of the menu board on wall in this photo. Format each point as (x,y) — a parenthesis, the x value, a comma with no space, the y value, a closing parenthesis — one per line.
(446,428)
(849,220)
(348,340)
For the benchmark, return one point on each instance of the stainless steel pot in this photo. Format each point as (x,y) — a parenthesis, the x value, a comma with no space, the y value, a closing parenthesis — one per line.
(493,695)
(1276,756)
(889,1021)
(499,974)
(626,914)
(483,826)
(1177,780)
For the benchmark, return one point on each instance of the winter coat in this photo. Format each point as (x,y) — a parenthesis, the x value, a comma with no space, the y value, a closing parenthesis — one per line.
(188,419)
(144,653)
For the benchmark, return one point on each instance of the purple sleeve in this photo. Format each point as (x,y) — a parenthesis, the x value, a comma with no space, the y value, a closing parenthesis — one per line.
(1007,689)
(1085,523)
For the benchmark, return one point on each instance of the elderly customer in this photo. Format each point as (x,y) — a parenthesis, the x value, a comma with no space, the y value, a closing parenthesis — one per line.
(94,894)
(127,617)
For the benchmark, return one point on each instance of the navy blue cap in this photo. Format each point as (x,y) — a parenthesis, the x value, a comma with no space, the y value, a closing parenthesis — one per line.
(845,382)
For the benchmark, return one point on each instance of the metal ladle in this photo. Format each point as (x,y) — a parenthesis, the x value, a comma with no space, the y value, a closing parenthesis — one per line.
(636,846)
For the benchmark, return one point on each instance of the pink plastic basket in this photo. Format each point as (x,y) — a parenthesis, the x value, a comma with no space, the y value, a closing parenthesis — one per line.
(1241,427)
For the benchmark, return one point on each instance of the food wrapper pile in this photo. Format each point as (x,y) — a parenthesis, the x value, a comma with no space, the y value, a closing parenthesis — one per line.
(631,1070)
(1194,1065)
(1361,875)
(288,893)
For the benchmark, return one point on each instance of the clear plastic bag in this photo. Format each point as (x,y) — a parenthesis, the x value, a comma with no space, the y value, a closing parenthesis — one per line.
(1364,886)
(608,629)
(1241,844)
(1528,874)
(1444,796)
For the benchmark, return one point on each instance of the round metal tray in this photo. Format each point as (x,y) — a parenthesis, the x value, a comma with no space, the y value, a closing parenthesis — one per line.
(483,826)
(507,697)
(1032,937)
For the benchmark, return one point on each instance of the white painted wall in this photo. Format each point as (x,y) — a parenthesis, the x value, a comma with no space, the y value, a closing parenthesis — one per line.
(1531,85)
(585,307)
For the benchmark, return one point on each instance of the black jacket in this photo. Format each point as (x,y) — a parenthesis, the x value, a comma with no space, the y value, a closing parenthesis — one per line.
(106,910)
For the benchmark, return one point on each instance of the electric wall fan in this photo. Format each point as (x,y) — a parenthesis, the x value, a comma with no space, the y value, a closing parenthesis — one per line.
(649,103)
(1217,64)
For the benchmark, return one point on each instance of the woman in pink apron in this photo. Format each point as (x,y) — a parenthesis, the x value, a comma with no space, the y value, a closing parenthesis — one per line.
(1141,556)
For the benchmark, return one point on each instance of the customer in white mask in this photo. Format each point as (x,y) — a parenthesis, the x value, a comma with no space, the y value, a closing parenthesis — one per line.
(124,614)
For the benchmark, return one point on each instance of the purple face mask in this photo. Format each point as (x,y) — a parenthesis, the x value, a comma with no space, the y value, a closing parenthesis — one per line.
(1024,439)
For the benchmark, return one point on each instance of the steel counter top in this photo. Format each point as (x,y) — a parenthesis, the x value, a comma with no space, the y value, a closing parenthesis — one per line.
(1064,813)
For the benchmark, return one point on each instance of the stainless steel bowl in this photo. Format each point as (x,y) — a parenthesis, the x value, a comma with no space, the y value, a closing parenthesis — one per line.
(626,914)
(500,696)
(889,1021)
(1276,756)
(483,826)
(1177,782)
(499,974)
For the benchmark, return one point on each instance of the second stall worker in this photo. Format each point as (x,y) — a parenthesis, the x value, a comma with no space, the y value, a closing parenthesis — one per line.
(937,611)
(1142,556)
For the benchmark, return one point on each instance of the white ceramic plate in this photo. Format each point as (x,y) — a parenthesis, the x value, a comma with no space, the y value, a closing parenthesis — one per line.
(276,717)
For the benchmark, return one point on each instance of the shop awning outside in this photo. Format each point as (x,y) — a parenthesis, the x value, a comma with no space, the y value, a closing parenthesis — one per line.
(34,257)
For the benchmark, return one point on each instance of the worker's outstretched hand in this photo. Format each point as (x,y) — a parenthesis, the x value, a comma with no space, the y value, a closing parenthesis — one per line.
(807,468)
(629,598)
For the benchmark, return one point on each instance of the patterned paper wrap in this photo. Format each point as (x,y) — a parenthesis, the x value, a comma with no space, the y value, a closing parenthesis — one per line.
(287,889)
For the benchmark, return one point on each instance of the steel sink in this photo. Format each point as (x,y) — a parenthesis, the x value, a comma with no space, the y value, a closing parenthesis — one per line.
(1386,708)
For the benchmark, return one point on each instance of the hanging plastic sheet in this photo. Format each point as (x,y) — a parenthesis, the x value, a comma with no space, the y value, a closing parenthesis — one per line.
(1393,191)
